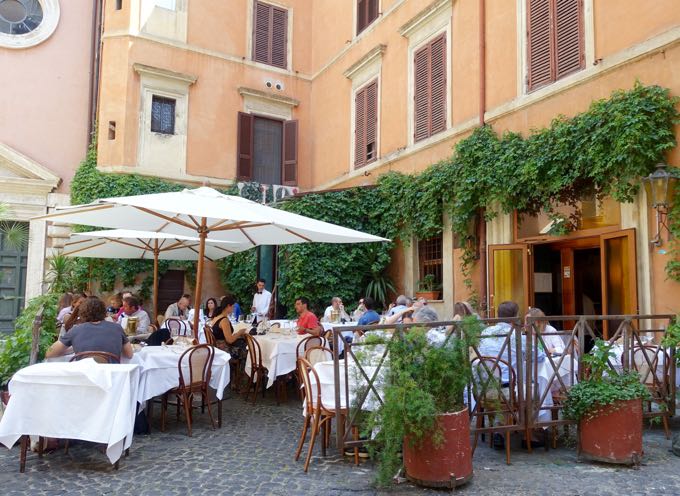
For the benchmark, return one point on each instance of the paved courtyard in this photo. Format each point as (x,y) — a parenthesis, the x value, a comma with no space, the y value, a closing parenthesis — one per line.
(253,454)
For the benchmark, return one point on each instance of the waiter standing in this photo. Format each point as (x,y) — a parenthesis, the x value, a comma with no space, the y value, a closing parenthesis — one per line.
(261,300)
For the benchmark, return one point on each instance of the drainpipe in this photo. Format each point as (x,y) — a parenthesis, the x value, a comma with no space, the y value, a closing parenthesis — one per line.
(97,26)
(482,61)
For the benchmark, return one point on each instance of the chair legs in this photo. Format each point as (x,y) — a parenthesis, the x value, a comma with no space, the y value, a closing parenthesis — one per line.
(303,435)
(22,454)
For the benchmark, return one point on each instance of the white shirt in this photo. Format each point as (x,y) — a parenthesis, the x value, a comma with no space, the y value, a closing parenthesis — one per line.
(491,346)
(327,314)
(553,341)
(143,321)
(261,302)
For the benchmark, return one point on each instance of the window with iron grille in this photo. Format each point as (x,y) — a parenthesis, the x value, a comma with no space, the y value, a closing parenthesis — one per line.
(163,115)
(429,93)
(430,258)
(555,40)
(366,124)
(367,12)
(270,34)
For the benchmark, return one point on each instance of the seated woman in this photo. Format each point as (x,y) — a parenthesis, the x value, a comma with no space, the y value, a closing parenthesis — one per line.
(233,342)
(553,343)
(93,333)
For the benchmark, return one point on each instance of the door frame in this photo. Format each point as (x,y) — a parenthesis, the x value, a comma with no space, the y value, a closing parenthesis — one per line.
(526,273)
(631,258)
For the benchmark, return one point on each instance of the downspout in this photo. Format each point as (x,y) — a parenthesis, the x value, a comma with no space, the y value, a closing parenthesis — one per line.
(482,110)
(97,26)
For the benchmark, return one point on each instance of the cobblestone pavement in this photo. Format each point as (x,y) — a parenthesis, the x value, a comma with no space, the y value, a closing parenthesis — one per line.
(253,454)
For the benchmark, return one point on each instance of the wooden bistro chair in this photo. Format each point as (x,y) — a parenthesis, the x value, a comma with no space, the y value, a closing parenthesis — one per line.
(316,354)
(653,364)
(317,416)
(493,397)
(98,356)
(177,327)
(258,372)
(234,363)
(199,360)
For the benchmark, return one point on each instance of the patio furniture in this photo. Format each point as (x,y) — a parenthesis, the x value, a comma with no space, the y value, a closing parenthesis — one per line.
(97,356)
(652,362)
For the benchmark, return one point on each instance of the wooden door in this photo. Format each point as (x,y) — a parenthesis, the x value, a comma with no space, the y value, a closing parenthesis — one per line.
(12,283)
(170,289)
(509,276)
(619,275)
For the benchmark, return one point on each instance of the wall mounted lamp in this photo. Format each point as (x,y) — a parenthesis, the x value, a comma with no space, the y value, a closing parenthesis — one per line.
(660,187)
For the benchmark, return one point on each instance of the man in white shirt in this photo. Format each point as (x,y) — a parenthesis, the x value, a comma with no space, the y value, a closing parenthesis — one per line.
(261,300)
(336,304)
(131,308)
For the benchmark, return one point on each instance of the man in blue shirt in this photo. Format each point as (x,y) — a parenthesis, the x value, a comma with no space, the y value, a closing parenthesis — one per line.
(370,316)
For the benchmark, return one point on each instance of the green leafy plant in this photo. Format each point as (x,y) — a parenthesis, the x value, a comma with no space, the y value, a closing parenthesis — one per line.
(600,391)
(15,233)
(671,338)
(379,288)
(422,382)
(427,283)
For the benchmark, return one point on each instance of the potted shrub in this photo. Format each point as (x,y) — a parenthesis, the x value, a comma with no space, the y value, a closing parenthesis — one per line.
(423,414)
(608,409)
(427,289)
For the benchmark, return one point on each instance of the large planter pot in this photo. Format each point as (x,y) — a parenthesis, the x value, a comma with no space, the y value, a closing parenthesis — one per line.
(447,465)
(428,295)
(614,435)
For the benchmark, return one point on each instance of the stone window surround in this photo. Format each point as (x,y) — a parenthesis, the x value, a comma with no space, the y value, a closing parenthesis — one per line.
(289,36)
(51,14)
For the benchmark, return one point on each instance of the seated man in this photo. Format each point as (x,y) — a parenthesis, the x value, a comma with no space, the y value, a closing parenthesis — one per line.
(94,333)
(402,303)
(336,305)
(370,316)
(179,309)
(132,308)
(307,322)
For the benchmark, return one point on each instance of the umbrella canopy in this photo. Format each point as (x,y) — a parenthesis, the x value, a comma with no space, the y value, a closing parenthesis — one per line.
(227,218)
(125,243)
(209,214)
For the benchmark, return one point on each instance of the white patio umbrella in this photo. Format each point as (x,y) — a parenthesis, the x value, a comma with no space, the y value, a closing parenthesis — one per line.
(124,243)
(209,214)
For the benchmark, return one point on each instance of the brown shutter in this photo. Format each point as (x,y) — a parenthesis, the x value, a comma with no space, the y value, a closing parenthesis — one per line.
(261,32)
(371,147)
(290,153)
(539,44)
(569,41)
(438,85)
(372,8)
(360,128)
(362,20)
(421,93)
(244,159)
(279,37)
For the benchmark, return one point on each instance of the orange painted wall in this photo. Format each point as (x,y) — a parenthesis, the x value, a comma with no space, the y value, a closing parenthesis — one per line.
(44,101)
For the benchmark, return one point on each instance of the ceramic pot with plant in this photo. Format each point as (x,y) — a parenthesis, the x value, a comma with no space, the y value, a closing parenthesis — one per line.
(608,408)
(427,288)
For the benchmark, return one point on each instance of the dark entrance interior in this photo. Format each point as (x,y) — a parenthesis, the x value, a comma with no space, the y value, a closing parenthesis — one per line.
(170,289)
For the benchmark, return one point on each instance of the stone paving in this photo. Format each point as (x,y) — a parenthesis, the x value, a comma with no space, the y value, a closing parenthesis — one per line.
(253,454)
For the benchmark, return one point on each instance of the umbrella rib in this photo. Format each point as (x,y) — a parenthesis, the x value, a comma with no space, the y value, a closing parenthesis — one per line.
(246,235)
(197,253)
(223,249)
(198,224)
(80,241)
(165,217)
(59,214)
(85,248)
(120,241)
(217,224)
(298,235)
(239,225)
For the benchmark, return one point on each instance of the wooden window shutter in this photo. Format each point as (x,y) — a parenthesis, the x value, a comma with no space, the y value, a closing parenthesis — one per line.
(371,141)
(279,37)
(290,153)
(362,20)
(570,49)
(421,93)
(438,85)
(244,159)
(539,36)
(372,9)
(261,30)
(360,128)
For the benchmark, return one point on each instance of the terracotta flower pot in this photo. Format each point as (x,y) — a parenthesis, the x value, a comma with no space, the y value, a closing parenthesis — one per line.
(448,465)
(614,435)
(428,295)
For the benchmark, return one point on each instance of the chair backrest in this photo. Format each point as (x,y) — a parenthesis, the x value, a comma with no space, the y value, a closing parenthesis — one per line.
(487,379)
(98,356)
(309,342)
(304,370)
(177,327)
(209,336)
(652,363)
(254,351)
(199,359)
(316,354)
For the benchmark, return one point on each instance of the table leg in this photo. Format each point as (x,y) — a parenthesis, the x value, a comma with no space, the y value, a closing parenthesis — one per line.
(22,454)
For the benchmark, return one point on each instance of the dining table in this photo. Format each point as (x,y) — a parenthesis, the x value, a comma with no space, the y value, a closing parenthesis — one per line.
(278,353)
(82,400)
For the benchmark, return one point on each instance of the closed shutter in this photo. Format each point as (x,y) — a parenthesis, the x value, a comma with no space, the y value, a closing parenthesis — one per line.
(438,85)
(244,159)
(371,150)
(555,40)
(360,128)
(290,153)
(270,34)
(421,94)
(569,37)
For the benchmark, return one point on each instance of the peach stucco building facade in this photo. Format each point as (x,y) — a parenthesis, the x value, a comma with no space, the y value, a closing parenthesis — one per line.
(197,63)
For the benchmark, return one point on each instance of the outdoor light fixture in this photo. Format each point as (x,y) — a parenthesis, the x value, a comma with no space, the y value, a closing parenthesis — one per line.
(660,187)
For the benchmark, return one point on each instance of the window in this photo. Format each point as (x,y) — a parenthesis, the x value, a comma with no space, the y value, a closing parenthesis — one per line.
(367,12)
(20,16)
(162,115)
(555,41)
(119,4)
(267,150)
(430,258)
(429,94)
(270,34)
(366,124)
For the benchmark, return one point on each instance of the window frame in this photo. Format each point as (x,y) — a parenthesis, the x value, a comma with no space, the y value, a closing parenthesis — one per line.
(429,262)
(447,86)
(357,29)
(163,100)
(250,33)
(374,80)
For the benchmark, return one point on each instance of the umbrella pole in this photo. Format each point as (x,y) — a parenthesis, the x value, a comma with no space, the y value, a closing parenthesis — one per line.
(155,282)
(202,234)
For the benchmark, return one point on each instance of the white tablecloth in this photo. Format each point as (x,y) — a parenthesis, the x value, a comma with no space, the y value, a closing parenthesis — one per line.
(544,373)
(80,400)
(327,380)
(159,370)
(278,354)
